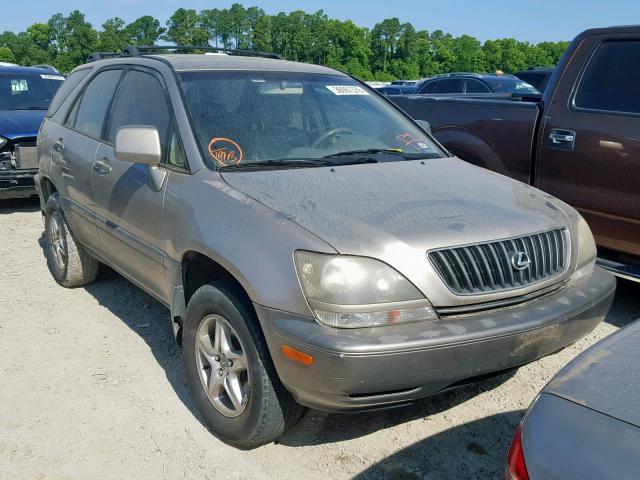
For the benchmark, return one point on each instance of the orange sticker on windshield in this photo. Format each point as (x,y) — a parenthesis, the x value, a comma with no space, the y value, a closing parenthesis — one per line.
(406,138)
(225,151)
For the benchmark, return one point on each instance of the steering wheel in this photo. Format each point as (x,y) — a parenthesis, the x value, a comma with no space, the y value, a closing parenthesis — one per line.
(330,133)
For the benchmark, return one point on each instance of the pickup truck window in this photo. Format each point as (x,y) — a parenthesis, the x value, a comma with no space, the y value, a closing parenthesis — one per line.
(247,118)
(610,82)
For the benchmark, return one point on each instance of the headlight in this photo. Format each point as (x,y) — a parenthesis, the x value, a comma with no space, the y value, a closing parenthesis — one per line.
(3,142)
(353,292)
(586,245)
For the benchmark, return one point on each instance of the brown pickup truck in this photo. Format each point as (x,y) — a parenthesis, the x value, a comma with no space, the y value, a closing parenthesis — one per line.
(579,141)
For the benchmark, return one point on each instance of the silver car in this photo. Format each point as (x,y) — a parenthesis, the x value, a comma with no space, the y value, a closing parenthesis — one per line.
(314,245)
(585,424)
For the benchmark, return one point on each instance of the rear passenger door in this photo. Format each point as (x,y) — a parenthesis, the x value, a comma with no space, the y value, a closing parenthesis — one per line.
(129,206)
(590,145)
(74,148)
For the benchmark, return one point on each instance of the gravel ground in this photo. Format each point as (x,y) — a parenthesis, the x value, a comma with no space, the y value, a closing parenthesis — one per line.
(92,386)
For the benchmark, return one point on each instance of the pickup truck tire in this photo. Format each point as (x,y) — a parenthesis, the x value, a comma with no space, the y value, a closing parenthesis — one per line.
(68,261)
(267,409)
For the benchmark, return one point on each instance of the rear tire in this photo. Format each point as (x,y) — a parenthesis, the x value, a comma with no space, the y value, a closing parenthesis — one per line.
(262,409)
(68,261)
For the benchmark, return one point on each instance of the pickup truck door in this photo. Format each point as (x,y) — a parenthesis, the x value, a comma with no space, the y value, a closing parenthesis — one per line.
(589,145)
(129,202)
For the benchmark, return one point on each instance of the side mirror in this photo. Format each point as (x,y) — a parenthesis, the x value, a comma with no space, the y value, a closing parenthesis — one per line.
(138,145)
(426,126)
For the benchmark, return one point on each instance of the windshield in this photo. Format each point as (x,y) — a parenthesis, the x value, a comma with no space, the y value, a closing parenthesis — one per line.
(289,120)
(510,85)
(28,91)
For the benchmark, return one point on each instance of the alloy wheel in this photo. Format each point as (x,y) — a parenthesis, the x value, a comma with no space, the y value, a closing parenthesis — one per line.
(56,240)
(222,365)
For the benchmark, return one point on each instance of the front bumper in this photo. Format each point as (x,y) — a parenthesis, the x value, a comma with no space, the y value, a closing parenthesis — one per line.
(361,369)
(17,184)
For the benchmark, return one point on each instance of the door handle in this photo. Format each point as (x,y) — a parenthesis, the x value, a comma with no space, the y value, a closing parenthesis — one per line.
(58,146)
(562,139)
(102,166)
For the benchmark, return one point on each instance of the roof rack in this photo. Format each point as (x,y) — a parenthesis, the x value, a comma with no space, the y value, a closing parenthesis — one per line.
(140,50)
(95,56)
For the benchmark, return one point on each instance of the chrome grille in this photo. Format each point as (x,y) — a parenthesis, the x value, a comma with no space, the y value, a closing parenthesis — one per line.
(488,267)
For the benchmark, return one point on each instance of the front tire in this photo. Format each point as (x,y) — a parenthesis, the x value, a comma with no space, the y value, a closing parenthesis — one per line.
(229,370)
(68,261)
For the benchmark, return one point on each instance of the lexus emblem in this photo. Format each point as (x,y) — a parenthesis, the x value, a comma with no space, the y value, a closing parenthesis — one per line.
(520,260)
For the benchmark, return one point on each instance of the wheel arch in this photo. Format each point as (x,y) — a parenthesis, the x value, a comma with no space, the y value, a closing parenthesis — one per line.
(197,269)
(47,187)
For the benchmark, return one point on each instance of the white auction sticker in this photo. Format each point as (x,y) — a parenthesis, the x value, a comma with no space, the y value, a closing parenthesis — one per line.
(52,77)
(347,90)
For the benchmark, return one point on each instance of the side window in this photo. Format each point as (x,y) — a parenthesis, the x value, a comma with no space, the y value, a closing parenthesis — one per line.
(140,101)
(71,116)
(429,87)
(176,156)
(449,85)
(89,112)
(474,86)
(610,82)
(65,89)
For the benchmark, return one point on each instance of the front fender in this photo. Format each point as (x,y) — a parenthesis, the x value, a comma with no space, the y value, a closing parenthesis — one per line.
(253,243)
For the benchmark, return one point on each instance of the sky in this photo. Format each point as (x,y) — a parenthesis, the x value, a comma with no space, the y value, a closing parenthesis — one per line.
(527,20)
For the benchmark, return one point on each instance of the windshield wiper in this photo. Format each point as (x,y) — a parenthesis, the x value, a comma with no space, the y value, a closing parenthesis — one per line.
(278,164)
(367,151)
(375,155)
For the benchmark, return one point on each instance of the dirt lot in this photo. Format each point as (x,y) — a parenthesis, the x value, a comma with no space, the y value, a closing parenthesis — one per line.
(92,386)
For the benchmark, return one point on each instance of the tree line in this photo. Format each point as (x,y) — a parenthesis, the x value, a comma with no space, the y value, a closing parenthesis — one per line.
(389,50)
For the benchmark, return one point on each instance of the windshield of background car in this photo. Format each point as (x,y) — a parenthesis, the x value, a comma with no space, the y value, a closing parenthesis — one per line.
(28,91)
(244,117)
(509,85)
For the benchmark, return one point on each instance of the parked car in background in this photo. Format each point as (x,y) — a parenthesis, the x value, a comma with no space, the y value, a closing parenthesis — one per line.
(310,240)
(25,96)
(474,83)
(580,143)
(538,77)
(585,424)
(405,83)
(396,89)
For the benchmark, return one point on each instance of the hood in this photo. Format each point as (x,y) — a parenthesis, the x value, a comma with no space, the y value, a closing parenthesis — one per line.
(360,209)
(397,211)
(606,377)
(20,123)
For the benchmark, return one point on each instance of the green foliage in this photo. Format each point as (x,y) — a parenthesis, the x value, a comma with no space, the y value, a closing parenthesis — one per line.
(185,28)
(145,30)
(6,55)
(114,36)
(389,50)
